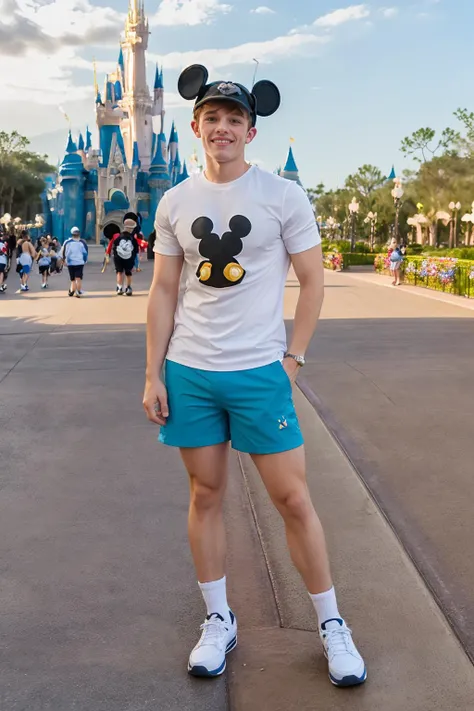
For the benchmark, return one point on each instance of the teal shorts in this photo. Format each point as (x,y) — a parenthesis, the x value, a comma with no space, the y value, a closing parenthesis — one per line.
(253,409)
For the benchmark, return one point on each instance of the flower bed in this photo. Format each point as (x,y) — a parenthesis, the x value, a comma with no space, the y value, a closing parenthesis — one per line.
(337,261)
(334,261)
(448,274)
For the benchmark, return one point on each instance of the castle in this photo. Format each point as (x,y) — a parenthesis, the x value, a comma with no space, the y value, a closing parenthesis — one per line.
(135,163)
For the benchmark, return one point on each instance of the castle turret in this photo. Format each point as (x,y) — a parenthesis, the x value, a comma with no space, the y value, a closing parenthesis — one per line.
(159,182)
(183,175)
(137,102)
(158,98)
(172,146)
(290,171)
(88,145)
(72,176)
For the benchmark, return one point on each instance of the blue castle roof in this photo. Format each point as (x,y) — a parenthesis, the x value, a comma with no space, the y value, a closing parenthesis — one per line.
(158,79)
(290,166)
(183,175)
(106,135)
(80,143)
(71,146)
(88,139)
(392,175)
(136,157)
(120,60)
(173,134)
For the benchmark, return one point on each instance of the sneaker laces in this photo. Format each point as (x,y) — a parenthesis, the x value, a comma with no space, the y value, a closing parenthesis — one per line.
(339,640)
(213,632)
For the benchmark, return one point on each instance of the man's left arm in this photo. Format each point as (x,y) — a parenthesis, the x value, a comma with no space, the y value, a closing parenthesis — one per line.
(308,267)
(303,243)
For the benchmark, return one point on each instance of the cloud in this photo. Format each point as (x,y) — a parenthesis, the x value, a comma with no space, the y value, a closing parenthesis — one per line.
(389,12)
(343,15)
(266,52)
(188,12)
(27,26)
(263,10)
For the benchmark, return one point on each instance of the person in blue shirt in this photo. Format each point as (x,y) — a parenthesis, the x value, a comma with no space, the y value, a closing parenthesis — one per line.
(75,253)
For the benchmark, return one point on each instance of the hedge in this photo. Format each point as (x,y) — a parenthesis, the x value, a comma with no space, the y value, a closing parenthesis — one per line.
(337,261)
(448,274)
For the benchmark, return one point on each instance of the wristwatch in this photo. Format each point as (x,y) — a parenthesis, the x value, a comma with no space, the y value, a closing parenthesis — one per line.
(298,358)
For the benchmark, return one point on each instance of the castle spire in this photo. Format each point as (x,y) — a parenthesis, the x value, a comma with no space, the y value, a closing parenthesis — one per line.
(290,171)
(71,146)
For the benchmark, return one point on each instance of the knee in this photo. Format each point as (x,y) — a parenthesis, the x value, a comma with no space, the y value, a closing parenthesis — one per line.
(296,506)
(205,498)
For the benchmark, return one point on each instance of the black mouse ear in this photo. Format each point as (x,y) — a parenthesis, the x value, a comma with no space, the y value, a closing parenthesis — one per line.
(192,80)
(267,96)
(131,216)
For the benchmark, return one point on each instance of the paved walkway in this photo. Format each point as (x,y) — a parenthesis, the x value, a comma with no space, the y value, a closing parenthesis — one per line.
(99,605)
(393,373)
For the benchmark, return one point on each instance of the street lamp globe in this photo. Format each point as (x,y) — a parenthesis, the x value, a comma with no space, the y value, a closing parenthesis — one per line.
(353,206)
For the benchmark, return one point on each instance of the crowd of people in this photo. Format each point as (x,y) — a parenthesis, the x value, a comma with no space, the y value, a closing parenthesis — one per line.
(20,254)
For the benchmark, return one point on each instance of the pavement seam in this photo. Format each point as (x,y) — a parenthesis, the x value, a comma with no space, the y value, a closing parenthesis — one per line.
(319,409)
(266,557)
(20,359)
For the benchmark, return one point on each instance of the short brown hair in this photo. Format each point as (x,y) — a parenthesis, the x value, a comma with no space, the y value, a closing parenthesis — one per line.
(197,112)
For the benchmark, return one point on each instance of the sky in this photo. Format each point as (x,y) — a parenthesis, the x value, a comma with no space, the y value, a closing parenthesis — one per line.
(354,78)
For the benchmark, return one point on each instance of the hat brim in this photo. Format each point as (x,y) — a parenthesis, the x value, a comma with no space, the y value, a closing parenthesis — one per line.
(229,99)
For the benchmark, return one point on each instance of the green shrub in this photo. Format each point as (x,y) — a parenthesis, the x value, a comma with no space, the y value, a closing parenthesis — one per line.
(356,260)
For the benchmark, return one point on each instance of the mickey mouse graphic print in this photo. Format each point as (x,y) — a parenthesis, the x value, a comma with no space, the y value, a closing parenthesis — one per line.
(235,239)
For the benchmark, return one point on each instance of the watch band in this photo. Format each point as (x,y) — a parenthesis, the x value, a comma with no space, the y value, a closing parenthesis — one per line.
(300,359)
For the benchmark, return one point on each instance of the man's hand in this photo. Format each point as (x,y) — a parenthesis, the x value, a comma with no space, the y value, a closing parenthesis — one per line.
(291,368)
(155,402)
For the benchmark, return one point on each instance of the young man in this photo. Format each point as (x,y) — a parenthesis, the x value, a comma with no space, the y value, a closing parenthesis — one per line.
(75,253)
(124,247)
(26,254)
(224,243)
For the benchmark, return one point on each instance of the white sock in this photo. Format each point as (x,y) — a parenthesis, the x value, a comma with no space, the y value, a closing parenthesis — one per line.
(215,597)
(325,604)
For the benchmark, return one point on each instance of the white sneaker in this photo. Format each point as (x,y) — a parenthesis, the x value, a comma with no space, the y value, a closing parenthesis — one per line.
(218,639)
(346,666)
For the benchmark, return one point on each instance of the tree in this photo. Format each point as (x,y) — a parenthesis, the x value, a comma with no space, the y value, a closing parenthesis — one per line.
(22,173)
(365,181)
(420,143)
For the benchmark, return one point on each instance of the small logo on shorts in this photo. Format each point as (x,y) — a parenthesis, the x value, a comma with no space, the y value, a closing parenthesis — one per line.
(283,424)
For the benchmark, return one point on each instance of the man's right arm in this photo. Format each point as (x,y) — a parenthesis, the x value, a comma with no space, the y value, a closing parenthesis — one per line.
(162,302)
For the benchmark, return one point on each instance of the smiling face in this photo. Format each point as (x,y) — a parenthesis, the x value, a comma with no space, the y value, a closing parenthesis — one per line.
(225,129)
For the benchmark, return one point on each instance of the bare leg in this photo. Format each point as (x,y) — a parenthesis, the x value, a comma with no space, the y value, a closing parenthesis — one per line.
(129,280)
(285,480)
(120,280)
(207,470)
(79,284)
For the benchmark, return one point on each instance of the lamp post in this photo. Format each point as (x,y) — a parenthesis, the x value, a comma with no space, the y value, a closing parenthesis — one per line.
(372,218)
(453,227)
(397,194)
(468,218)
(353,209)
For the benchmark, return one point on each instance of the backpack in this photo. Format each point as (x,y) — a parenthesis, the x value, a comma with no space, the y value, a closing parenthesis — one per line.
(124,247)
(396,255)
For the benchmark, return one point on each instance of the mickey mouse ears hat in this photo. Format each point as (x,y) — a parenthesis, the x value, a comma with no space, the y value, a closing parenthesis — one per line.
(263,100)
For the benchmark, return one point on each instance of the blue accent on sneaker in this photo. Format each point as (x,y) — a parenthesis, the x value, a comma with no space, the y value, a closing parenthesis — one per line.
(202,671)
(332,619)
(349,680)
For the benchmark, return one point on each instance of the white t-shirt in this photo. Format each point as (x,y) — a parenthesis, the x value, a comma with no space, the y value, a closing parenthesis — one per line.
(236,239)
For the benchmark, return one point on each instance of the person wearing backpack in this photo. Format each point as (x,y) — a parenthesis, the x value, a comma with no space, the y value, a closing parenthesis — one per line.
(124,248)
(396,260)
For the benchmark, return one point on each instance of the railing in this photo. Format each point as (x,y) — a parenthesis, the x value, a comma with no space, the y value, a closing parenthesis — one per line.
(446,274)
